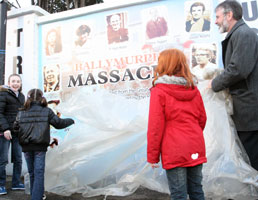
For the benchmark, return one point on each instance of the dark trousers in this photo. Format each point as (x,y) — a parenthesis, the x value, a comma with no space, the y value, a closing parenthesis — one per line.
(185,180)
(249,140)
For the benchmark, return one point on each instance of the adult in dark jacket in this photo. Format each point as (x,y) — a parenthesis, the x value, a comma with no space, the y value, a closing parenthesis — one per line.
(11,99)
(240,58)
(33,125)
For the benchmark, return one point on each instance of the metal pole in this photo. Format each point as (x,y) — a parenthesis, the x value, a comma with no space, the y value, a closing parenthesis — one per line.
(3,20)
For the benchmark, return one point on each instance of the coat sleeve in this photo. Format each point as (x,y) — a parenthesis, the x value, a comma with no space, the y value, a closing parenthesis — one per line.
(156,125)
(3,121)
(16,124)
(57,122)
(242,61)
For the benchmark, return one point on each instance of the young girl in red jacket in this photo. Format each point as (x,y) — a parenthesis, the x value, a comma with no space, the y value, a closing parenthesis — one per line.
(175,128)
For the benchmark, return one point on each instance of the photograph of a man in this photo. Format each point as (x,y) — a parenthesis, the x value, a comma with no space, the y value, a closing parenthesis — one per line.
(157,25)
(82,33)
(51,75)
(197,22)
(203,59)
(116,31)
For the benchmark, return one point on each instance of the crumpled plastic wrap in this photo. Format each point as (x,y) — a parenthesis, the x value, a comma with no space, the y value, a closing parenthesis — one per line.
(104,153)
(227,173)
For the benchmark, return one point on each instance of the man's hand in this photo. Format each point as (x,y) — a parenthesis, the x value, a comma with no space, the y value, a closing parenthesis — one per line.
(8,135)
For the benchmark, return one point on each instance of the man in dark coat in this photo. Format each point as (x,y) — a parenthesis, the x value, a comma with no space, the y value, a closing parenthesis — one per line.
(240,58)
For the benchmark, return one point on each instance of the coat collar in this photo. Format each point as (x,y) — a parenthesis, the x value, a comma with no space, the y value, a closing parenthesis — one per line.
(239,23)
(173,80)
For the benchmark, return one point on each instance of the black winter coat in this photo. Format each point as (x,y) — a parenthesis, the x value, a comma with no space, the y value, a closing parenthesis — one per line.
(9,107)
(34,127)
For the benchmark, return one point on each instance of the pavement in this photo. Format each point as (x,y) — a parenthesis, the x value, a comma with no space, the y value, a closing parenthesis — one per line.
(140,194)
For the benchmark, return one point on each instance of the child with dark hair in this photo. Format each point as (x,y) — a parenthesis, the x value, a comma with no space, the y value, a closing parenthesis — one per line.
(33,127)
(175,128)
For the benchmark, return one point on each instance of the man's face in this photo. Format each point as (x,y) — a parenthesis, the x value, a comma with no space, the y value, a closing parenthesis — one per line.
(51,74)
(197,12)
(221,20)
(115,22)
(202,57)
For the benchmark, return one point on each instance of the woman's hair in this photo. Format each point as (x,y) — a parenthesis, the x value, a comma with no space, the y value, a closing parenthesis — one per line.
(35,95)
(9,78)
(173,62)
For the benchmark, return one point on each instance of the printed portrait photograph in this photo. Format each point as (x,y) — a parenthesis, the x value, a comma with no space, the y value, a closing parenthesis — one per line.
(51,77)
(117,30)
(155,22)
(53,41)
(203,59)
(198,17)
(82,34)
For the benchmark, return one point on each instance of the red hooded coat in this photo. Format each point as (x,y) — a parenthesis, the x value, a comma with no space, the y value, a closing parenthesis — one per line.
(175,128)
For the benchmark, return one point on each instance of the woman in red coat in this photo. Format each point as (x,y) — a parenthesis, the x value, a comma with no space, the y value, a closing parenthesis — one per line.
(175,128)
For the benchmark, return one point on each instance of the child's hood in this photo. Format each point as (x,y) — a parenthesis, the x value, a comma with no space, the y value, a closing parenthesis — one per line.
(4,88)
(176,87)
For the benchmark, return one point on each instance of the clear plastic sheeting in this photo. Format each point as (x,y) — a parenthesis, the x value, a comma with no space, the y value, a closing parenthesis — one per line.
(104,153)
(226,174)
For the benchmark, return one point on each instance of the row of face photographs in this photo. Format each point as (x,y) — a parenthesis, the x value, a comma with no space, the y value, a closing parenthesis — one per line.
(198,20)
(203,55)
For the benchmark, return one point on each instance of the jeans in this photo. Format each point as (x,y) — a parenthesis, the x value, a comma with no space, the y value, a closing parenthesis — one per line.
(185,180)
(36,167)
(16,160)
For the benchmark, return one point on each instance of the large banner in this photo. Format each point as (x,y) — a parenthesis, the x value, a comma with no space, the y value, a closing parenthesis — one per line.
(98,68)
(118,49)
